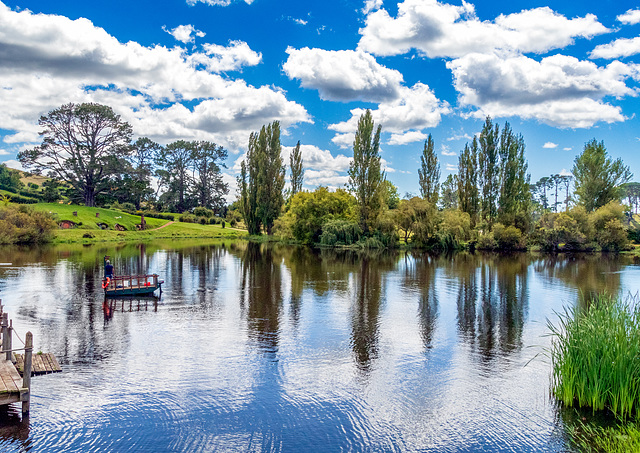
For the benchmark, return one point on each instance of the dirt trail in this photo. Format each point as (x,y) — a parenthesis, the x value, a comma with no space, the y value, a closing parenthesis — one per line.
(165,225)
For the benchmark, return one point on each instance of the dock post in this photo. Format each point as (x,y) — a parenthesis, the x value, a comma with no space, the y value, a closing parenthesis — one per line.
(26,375)
(5,332)
(9,341)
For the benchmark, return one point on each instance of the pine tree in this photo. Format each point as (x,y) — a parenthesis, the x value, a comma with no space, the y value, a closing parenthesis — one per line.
(297,171)
(365,175)
(429,174)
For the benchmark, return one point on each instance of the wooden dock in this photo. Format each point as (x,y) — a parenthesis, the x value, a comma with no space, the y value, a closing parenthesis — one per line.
(16,369)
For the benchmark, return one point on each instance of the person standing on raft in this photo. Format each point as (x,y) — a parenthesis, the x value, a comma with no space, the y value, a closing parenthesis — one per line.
(108,270)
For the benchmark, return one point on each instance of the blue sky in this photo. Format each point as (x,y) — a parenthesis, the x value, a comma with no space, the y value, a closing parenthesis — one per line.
(560,72)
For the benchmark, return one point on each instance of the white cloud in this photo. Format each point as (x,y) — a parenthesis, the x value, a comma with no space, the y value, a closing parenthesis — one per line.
(565,172)
(4,152)
(51,60)
(559,90)
(315,158)
(447,152)
(371,5)
(459,136)
(407,137)
(617,49)
(631,17)
(417,108)
(567,148)
(550,145)
(231,58)
(300,21)
(13,164)
(451,167)
(442,30)
(185,33)
(343,75)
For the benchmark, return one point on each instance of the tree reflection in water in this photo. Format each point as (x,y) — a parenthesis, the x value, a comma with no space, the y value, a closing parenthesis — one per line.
(420,276)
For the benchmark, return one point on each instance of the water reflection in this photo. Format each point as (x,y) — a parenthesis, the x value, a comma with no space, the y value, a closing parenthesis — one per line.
(263,347)
(261,296)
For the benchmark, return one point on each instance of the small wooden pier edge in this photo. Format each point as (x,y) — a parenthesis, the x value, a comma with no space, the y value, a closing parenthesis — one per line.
(15,386)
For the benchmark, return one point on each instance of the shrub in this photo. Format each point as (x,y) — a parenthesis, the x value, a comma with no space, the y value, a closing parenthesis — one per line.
(507,238)
(608,225)
(223,224)
(340,232)
(486,241)
(22,225)
(188,218)
(202,212)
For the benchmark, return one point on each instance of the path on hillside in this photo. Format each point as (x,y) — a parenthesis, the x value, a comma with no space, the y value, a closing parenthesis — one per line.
(162,226)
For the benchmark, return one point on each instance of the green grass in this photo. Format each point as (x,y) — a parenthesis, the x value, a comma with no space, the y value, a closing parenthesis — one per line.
(622,438)
(89,231)
(596,356)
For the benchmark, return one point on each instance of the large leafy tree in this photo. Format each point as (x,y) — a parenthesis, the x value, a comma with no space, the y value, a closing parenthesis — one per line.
(134,183)
(83,145)
(297,170)
(429,173)
(365,174)
(209,188)
(176,160)
(597,176)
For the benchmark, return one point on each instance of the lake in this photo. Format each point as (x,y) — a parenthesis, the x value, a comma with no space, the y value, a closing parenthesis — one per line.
(274,348)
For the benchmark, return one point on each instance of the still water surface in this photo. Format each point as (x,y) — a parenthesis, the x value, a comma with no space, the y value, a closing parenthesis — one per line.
(271,348)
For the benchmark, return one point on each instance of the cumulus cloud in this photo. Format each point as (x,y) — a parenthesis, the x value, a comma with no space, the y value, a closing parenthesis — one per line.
(442,30)
(407,137)
(371,5)
(417,108)
(4,152)
(165,93)
(13,164)
(559,90)
(343,75)
(631,17)
(185,33)
(230,58)
(617,49)
(550,145)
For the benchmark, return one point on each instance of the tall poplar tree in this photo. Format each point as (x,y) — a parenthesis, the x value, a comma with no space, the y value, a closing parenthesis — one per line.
(297,170)
(468,181)
(488,161)
(429,173)
(514,181)
(262,179)
(365,174)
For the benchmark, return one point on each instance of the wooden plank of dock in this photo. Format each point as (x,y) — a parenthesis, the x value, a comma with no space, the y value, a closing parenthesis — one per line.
(10,383)
(43,363)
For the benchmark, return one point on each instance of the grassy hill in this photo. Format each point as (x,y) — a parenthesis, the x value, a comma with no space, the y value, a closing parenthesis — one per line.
(89,230)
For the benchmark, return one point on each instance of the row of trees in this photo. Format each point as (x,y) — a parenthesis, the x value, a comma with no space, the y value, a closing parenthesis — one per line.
(91,149)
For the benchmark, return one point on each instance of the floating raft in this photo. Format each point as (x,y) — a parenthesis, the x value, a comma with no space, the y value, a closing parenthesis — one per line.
(43,363)
(11,389)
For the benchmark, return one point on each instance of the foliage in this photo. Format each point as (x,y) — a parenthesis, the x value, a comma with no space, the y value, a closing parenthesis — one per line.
(84,145)
(514,199)
(554,232)
(365,174)
(408,214)
(456,225)
(449,198)
(297,170)
(622,438)
(467,190)
(10,179)
(594,355)
(489,170)
(608,226)
(20,224)
(390,196)
(507,238)
(429,173)
(597,176)
(208,187)
(340,232)
(262,179)
(201,211)
(309,211)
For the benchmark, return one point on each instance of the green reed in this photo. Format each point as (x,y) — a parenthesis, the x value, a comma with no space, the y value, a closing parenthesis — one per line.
(595,354)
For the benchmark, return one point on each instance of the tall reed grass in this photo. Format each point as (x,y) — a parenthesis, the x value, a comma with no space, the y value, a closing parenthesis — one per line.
(595,354)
